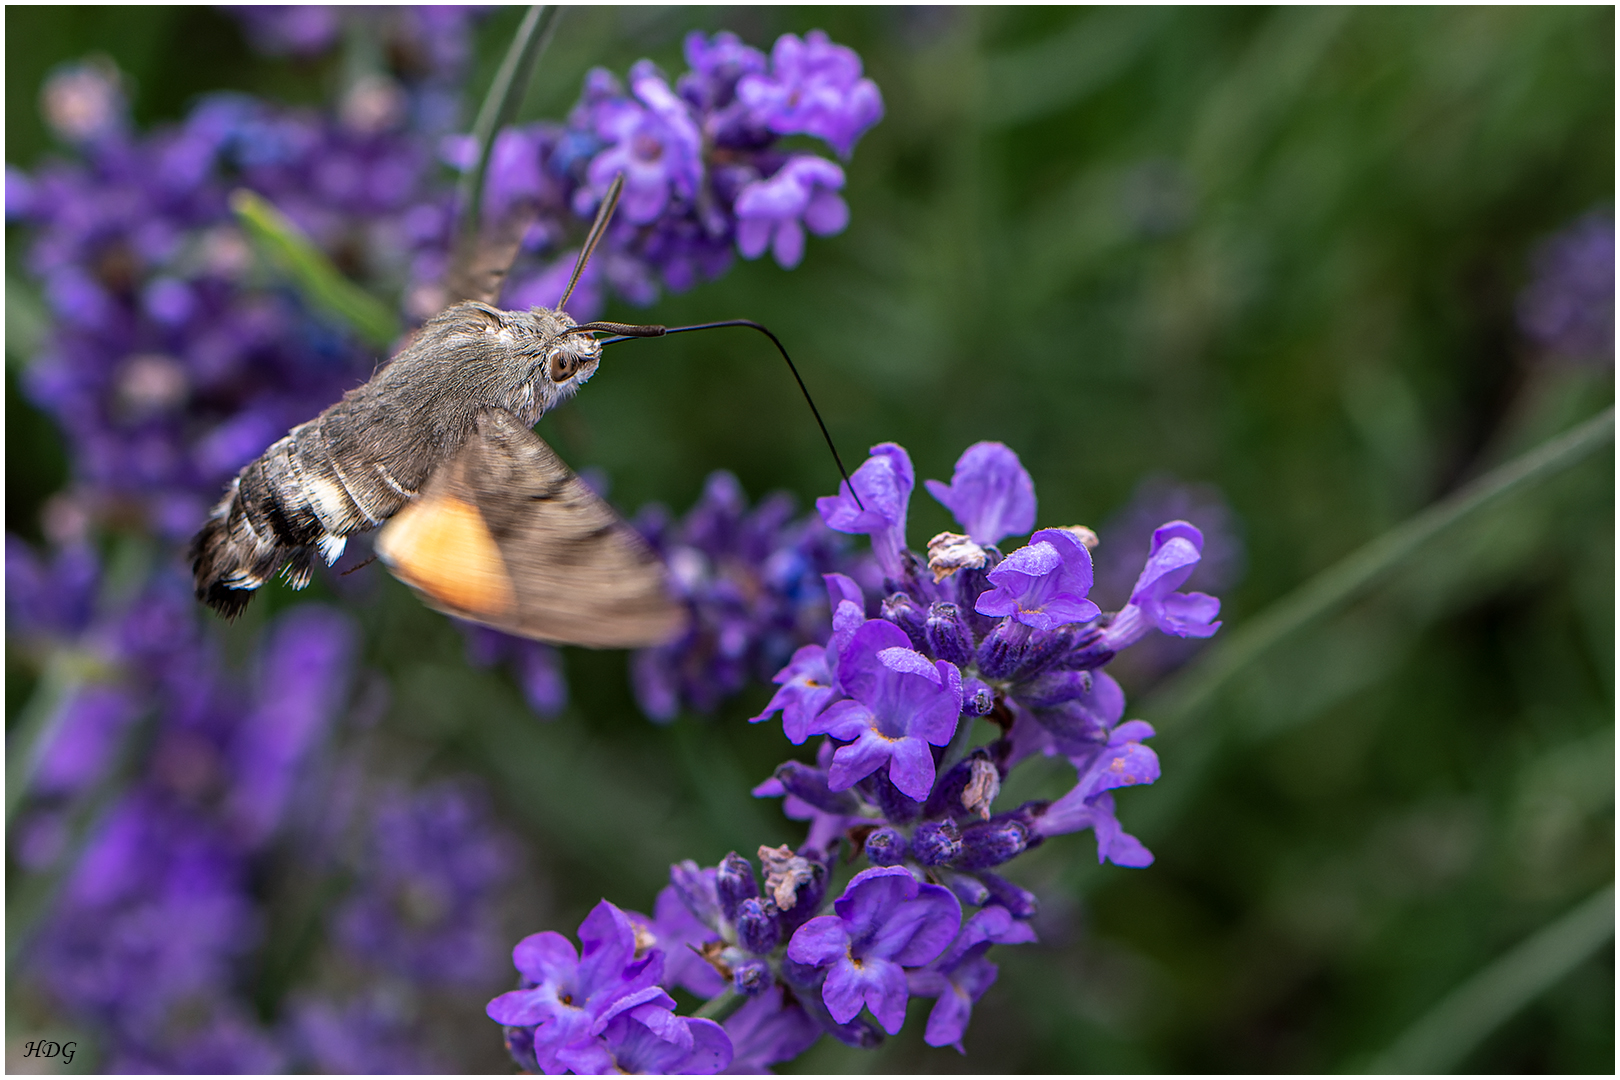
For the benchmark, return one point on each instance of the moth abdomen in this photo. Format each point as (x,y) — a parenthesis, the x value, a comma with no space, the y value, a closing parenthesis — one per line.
(283,508)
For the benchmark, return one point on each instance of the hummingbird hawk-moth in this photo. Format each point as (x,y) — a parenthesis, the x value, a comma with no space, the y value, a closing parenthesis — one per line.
(477,514)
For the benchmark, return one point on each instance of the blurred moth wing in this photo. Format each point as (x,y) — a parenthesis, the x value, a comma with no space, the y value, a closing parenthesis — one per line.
(506,535)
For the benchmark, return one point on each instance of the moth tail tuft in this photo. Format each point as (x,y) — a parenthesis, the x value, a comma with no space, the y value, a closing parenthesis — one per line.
(212,562)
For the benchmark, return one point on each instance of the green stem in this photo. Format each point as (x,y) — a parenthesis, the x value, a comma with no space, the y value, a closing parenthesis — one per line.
(501,103)
(1196,685)
(65,672)
(722,1005)
(1444,1036)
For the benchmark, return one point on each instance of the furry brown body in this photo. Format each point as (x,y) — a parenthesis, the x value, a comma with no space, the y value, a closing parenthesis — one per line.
(358,463)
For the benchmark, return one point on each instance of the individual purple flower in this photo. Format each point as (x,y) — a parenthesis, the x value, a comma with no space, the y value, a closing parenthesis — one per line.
(876,505)
(295,29)
(1043,584)
(990,493)
(653,142)
(1567,310)
(647,1041)
(884,922)
(1123,762)
(1175,551)
(900,702)
(960,977)
(768,1029)
(814,88)
(806,689)
(1157,499)
(803,194)
(570,996)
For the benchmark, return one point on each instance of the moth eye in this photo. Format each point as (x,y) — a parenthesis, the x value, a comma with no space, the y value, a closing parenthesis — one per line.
(563,366)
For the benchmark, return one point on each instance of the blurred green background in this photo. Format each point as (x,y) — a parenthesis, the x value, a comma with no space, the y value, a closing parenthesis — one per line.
(1272,250)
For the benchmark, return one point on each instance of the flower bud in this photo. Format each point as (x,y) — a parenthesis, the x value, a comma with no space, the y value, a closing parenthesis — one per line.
(970,890)
(886,847)
(1016,899)
(734,883)
(1047,647)
(936,842)
(810,784)
(752,977)
(992,843)
(757,928)
(695,887)
(1053,688)
(977,698)
(1002,650)
(905,613)
(948,636)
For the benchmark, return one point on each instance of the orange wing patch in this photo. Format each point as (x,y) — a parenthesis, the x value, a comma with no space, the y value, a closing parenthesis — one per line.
(441,546)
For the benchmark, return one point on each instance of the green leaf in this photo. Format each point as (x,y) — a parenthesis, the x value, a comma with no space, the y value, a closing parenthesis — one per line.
(296,257)
(1443,1038)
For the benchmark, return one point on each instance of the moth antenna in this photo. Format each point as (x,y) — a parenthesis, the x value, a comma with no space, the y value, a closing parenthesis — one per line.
(358,566)
(604,214)
(627,333)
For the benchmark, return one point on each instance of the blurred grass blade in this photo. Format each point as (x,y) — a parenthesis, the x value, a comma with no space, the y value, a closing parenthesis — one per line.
(328,291)
(65,673)
(1442,1039)
(501,103)
(1196,685)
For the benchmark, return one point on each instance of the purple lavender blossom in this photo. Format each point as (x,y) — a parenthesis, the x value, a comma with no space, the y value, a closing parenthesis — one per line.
(814,88)
(293,29)
(677,931)
(571,1000)
(372,1035)
(651,139)
(1044,584)
(1567,310)
(645,1040)
(885,921)
(960,977)
(876,505)
(768,1029)
(900,702)
(990,493)
(803,194)
(806,689)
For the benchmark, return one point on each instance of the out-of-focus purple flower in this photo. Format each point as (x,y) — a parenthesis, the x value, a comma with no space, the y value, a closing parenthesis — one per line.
(960,977)
(814,88)
(1043,584)
(876,505)
(885,921)
(900,703)
(803,194)
(425,904)
(570,996)
(370,1035)
(653,142)
(83,102)
(304,671)
(768,1029)
(1567,310)
(82,738)
(292,29)
(1123,762)
(990,493)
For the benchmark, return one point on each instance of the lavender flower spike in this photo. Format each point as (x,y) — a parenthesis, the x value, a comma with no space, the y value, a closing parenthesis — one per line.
(775,212)
(884,484)
(885,922)
(990,493)
(1044,584)
(900,702)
